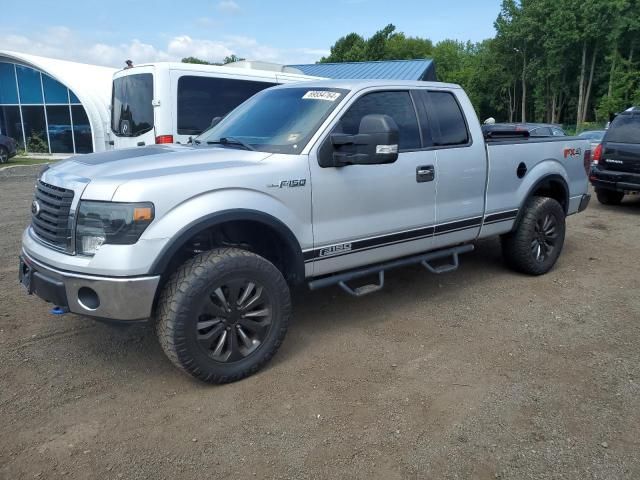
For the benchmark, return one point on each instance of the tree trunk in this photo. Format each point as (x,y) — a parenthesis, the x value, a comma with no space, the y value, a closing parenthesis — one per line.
(581,84)
(554,101)
(587,96)
(524,86)
(612,71)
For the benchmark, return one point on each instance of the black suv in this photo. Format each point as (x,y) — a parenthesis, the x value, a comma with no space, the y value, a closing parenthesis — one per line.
(616,161)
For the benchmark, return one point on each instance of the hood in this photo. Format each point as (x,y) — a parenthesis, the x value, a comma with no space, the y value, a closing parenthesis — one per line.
(104,172)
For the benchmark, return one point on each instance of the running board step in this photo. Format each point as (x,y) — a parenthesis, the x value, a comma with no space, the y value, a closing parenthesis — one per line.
(365,289)
(426,259)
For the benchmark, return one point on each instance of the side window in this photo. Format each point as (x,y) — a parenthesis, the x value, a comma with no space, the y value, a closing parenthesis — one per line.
(557,132)
(397,105)
(201,99)
(448,120)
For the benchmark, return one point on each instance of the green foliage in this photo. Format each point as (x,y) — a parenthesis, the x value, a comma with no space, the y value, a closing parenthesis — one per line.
(385,44)
(196,60)
(36,144)
(573,61)
(230,59)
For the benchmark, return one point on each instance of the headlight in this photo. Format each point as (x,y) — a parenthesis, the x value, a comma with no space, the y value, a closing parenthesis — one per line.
(111,223)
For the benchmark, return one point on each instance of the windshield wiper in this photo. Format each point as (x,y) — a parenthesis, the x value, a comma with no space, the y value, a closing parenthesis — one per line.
(232,141)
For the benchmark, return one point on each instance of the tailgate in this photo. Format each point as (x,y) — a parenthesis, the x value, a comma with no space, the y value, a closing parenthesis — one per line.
(620,157)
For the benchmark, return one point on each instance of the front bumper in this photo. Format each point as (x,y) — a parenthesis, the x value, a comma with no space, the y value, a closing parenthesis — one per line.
(612,180)
(111,298)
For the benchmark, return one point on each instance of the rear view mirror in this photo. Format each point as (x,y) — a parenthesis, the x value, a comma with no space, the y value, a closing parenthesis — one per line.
(376,143)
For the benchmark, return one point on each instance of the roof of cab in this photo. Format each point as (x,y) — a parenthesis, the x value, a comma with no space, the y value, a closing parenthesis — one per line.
(355,84)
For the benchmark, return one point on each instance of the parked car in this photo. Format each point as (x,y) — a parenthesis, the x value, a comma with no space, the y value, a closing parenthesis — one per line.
(8,148)
(534,129)
(594,137)
(616,169)
(209,238)
(168,102)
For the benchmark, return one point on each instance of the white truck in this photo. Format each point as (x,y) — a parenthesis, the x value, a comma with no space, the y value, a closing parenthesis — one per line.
(318,183)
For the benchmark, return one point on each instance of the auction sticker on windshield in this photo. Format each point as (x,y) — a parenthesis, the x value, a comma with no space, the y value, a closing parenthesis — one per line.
(321,95)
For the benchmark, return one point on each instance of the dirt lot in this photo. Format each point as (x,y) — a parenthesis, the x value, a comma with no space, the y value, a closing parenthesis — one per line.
(481,373)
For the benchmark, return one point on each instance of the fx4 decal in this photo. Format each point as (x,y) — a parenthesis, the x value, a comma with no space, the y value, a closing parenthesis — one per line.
(572,152)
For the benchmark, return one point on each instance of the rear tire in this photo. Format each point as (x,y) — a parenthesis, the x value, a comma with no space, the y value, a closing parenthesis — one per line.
(223,315)
(609,197)
(534,247)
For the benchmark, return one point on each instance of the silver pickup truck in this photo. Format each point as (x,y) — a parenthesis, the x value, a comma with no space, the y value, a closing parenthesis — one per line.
(317,184)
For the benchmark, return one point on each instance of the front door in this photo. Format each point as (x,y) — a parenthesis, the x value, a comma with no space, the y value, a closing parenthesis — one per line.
(365,214)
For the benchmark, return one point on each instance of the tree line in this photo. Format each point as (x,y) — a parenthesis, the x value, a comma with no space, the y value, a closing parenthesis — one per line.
(556,61)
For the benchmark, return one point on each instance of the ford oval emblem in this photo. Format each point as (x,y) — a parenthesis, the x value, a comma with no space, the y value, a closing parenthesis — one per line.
(35,208)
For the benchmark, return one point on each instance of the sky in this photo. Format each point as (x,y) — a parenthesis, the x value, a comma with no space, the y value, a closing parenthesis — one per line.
(283,31)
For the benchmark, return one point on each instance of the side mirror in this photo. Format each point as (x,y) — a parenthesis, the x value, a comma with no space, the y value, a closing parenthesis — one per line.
(376,143)
(215,121)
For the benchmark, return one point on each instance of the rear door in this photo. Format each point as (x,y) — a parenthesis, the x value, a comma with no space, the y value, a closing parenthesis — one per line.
(199,98)
(461,167)
(364,214)
(621,144)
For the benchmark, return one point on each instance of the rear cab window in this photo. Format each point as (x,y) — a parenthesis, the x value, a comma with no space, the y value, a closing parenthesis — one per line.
(201,99)
(625,128)
(447,124)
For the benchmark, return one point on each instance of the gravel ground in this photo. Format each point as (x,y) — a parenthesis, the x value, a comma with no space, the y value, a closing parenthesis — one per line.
(481,373)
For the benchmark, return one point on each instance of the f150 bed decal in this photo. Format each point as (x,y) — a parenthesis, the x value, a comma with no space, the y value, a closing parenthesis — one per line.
(356,246)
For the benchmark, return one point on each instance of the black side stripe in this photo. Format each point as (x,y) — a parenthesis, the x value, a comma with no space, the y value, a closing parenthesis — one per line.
(357,246)
(501,217)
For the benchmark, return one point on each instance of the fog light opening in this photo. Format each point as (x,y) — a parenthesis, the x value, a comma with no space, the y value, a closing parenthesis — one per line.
(88,298)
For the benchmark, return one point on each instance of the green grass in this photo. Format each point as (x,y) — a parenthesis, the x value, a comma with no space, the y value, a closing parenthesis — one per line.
(26,161)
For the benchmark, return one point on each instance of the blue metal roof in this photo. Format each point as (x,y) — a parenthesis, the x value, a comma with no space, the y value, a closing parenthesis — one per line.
(422,69)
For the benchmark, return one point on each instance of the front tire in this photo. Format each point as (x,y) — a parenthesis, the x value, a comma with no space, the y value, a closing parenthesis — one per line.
(223,315)
(609,197)
(534,247)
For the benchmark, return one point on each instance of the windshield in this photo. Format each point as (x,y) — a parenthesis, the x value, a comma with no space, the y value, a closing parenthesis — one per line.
(280,120)
(131,105)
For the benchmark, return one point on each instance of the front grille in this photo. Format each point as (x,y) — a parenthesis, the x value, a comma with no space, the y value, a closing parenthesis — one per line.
(50,215)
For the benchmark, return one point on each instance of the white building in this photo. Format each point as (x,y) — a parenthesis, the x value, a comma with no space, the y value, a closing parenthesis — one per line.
(54,106)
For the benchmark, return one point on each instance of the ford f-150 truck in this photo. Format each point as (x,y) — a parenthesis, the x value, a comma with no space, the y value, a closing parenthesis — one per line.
(317,184)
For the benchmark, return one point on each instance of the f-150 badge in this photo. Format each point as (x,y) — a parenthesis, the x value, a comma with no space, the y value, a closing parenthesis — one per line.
(289,183)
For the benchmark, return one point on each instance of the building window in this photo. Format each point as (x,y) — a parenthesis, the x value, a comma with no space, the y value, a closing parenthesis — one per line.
(54,91)
(8,90)
(81,129)
(29,84)
(60,131)
(10,123)
(35,129)
(42,114)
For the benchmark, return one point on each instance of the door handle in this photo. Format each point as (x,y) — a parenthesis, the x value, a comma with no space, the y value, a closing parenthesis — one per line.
(426,173)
